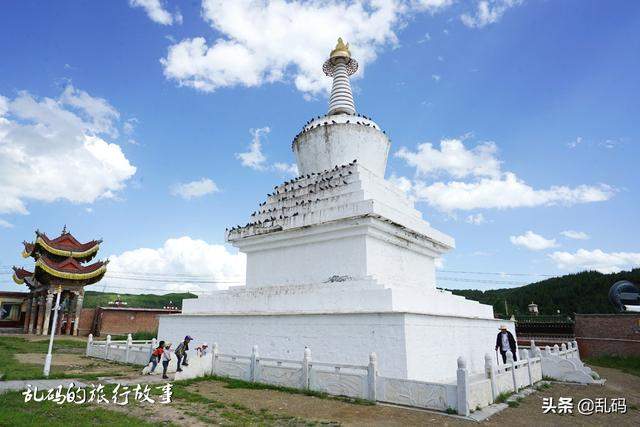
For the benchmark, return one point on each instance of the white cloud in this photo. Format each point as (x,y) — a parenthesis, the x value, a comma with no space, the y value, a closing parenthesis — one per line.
(287,168)
(597,259)
(453,158)
(194,189)
(439,263)
(179,265)
(487,186)
(156,11)
(533,241)
(435,77)
(574,144)
(254,158)
(576,235)
(476,219)
(129,126)
(488,12)
(277,40)
(53,149)
(288,40)
(5,224)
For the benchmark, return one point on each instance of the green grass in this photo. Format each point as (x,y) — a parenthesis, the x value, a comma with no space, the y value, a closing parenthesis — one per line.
(234,383)
(136,336)
(502,397)
(15,412)
(628,365)
(12,369)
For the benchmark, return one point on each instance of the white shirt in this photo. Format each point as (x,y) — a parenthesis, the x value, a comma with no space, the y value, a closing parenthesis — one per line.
(505,341)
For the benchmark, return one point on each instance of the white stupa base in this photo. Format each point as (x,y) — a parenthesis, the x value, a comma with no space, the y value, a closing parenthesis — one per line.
(409,345)
(416,333)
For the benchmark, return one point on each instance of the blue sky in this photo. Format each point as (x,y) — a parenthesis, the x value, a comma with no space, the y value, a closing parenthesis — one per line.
(137,111)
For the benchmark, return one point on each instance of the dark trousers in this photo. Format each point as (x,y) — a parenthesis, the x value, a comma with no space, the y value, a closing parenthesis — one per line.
(165,365)
(182,358)
(154,363)
(504,356)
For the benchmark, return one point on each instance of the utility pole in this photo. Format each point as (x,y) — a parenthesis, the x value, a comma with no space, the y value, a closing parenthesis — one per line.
(47,360)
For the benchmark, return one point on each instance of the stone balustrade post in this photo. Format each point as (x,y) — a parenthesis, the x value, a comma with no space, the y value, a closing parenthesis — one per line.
(462,387)
(556,350)
(306,369)
(128,348)
(89,344)
(528,359)
(563,348)
(372,376)
(513,370)
(254,374)
(106,347)
(575,345)
(214,357)
(47,313)
(490,370)
(547,351)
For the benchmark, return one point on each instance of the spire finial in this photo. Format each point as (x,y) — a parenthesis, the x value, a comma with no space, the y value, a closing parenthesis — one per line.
(341,50)
(340,66)
(64,229)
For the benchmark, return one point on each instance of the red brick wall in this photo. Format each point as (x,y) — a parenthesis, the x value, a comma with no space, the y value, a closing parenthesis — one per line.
(86,321)
(126,322)
(608,334)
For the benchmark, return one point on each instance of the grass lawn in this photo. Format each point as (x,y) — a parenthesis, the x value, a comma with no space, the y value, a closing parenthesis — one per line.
(12,369)
(14,412)
(628,365)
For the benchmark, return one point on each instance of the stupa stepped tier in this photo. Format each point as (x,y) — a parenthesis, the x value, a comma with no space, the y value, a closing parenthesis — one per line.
(339,260)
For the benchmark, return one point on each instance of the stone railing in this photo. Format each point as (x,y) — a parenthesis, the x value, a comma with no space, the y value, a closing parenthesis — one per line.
(563,363)
(128,351)
(464,393)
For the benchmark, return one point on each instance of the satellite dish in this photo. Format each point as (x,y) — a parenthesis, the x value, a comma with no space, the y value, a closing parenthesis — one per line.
(625,296)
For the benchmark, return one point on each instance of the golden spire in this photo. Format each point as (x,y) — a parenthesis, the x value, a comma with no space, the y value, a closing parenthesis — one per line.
(341,49)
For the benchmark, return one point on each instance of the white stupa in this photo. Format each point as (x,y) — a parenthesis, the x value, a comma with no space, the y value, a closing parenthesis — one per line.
(340,261)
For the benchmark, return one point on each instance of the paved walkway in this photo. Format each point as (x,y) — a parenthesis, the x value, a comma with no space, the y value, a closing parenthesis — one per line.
(19,385)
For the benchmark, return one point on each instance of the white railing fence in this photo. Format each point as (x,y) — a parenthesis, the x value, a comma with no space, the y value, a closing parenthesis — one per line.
(136,352)
(563,363)
(465,393)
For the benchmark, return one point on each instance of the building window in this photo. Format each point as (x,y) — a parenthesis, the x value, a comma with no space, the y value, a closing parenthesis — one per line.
(9,311)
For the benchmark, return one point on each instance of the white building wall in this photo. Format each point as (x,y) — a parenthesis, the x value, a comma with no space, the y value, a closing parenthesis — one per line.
(436,342)
(307,262)
(332,338)
(414,346)
(397,266)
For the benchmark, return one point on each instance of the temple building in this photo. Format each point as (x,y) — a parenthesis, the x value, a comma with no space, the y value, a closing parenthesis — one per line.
(340,261)
(61,265)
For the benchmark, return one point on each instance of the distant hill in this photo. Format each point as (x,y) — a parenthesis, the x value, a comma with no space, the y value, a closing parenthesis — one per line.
(101,299)
(585,292)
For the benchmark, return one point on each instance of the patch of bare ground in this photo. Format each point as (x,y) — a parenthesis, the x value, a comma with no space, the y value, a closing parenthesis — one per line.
(76,363)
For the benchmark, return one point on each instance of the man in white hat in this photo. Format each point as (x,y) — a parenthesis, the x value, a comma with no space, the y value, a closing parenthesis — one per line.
(506,342)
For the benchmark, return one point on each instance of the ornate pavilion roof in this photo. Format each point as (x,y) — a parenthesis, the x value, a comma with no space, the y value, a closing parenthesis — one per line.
(65,245)
(69,269)
(19,274)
